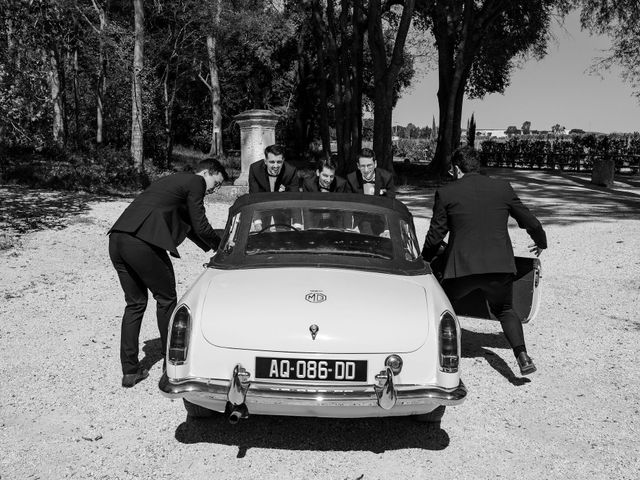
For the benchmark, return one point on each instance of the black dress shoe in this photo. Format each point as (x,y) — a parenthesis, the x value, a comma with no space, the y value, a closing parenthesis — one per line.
(130,379)
(526,364)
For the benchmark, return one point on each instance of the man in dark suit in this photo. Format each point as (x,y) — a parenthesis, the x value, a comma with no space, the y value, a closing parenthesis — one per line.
(273,174)
(479,256)
(325,179)
(158,220)
(369,179)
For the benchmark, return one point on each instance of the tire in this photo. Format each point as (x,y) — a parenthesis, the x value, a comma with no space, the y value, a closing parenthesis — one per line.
(433,417)
(196,411)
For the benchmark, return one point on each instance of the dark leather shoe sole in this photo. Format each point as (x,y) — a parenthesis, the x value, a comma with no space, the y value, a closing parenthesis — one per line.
(130,379)
(527,367)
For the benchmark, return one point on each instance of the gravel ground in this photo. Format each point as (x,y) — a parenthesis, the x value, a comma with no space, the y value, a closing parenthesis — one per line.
(64,414)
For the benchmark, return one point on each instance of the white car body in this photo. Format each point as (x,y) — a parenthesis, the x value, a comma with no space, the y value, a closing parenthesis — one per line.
(315,319)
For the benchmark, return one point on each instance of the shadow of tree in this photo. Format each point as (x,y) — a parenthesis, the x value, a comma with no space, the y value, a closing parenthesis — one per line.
(556,198)
(376,435)
(25,209)
(474,346)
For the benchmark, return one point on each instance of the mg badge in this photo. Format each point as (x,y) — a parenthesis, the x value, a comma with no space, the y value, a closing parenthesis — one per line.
(315,297)
(314,331)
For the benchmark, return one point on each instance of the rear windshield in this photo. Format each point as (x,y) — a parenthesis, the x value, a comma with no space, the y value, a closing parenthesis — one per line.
(319,230)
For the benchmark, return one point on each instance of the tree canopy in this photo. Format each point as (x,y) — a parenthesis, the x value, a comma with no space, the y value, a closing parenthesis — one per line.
(620,20)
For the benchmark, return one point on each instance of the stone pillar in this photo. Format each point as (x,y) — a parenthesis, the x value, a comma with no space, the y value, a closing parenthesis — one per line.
(257,132)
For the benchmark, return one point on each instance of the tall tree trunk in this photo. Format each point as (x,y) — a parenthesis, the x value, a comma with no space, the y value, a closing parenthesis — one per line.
(359,26)
(169,96)
(339,41)
(319,32)
(216,110)
(385,76)
(136,88)
(56,85)
(101,87)
(76,99)
(457,48)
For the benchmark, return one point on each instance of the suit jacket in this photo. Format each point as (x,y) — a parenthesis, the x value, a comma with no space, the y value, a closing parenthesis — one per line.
(475,210)
(167,212)
(311,184)
(383,181)
(259,179)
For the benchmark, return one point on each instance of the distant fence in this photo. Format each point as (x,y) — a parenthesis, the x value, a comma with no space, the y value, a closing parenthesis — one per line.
(570,153)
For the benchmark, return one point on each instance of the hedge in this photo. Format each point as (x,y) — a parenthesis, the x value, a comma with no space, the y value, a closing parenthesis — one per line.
(563,152)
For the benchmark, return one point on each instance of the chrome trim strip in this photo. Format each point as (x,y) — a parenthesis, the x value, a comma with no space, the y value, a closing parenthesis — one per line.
(320,396)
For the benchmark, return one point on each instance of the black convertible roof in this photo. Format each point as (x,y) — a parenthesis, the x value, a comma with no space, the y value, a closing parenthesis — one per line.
(346,198)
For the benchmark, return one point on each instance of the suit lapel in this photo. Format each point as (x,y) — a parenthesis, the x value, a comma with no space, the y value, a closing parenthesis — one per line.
(378,183)
(264,178)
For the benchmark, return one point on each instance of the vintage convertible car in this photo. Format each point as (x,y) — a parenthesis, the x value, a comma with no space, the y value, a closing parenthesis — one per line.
(315,305)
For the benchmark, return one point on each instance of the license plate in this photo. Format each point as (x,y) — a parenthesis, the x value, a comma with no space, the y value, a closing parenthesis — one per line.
(305,369)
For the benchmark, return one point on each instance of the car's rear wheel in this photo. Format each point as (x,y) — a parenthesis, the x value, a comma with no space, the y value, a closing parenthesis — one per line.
(196,411)
(434,416)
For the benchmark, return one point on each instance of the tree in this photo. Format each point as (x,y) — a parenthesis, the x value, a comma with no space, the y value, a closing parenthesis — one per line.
(137,129)
(620,20)
(434,130)
(339,45)
(558,129)
(477,42)
(386,68)
(101,11)
(213,85)
(471,131)
(512,130)
(526,128)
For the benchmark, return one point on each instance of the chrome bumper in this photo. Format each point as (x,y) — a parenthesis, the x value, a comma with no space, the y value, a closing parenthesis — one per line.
(382,399)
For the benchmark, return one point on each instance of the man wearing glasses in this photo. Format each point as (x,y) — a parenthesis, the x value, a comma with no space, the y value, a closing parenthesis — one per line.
(369,179)
(158,220)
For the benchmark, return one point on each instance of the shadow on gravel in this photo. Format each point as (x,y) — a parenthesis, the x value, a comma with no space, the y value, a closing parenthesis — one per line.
(24,209)
(555,198)
(376,435)
(152,353)
(473,346)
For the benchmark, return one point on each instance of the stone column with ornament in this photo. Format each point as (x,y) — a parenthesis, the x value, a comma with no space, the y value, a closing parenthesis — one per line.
(257,132)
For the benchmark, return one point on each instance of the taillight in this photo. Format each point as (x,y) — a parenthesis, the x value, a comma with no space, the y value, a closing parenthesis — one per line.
(449,355)
(179,340)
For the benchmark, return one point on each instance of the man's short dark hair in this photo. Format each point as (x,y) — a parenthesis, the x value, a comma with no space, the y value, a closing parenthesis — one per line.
(213,166)
(327,162)
(276,150)
(466,158)
(366,153)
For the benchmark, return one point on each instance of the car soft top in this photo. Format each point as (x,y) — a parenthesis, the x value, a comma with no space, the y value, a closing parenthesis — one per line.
(351,198)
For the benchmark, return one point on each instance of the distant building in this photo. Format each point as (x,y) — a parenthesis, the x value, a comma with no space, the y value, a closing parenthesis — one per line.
(491,132)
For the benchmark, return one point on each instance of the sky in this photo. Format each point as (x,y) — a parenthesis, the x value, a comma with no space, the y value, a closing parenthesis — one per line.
(556,89)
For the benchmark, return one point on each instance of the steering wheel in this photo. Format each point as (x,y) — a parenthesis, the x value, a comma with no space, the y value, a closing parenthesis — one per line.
(286,225)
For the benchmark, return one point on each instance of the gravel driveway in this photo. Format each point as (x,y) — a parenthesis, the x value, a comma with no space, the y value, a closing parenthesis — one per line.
(63,413)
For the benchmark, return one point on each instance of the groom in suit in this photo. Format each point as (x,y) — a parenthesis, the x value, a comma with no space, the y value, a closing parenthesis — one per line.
(156,222)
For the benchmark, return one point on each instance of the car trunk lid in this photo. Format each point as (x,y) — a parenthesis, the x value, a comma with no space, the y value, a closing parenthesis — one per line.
(275,309)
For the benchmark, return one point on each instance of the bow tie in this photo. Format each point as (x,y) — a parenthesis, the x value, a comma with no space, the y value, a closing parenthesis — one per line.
(372,182)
